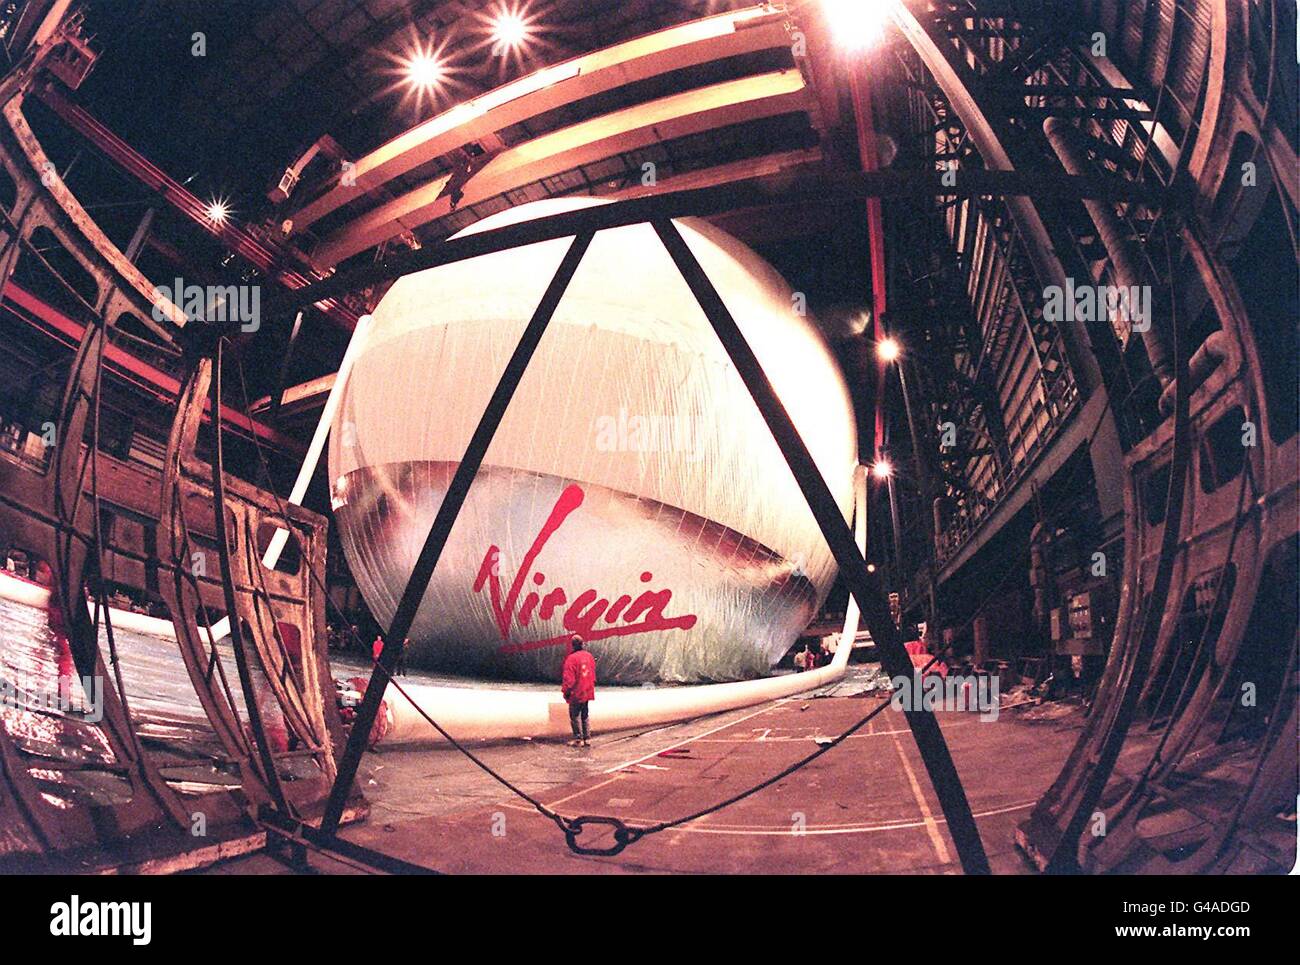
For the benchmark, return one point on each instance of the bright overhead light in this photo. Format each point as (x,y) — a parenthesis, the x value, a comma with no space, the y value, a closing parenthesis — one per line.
(882,469)
(509,30)
(856,24)
(871,567)
(218,211)
(421,70)
(888,349)
(424,71)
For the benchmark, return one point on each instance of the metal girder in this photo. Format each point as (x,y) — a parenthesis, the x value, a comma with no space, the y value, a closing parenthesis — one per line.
(264,257)
(36,23)
(290,831)
(137,371)
(1041,267)
(630,129)
(448,510)
(869,161)
(310,394)
(704,202)
(1066,442)
(701,41)
(785,162)
(120,285)
(1038,242)
(298,398)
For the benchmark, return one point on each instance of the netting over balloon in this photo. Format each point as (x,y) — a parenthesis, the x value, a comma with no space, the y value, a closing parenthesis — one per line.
(633,493)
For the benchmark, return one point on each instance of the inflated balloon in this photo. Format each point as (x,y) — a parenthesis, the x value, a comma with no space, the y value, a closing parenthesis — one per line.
(633,494)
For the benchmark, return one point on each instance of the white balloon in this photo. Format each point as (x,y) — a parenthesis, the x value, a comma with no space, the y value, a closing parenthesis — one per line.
(676,539)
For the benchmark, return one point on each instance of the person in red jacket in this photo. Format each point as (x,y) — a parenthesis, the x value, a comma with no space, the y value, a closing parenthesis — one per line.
(578,684)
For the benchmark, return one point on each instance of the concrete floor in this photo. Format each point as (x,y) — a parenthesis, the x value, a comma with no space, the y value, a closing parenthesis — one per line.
(866,806)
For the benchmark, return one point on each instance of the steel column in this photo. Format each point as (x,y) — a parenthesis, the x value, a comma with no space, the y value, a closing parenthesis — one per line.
(413,595)
(839,536)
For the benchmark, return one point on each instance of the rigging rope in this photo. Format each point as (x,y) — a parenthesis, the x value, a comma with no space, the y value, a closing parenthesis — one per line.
(571,827)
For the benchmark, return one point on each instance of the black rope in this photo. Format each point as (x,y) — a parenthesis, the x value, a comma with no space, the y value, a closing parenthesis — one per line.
(243,668)
(311,570)
(571,827)
(822,749)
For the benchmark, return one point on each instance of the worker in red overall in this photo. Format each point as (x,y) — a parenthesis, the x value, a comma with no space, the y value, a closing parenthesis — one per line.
(578,685)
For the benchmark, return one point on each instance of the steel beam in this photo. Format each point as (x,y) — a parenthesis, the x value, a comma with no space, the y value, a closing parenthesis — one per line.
(136,371)
(1038,242)
(448,510)
(262,256)
(685,45)
(292,831)
(864,586)
(703,202)
(609,135)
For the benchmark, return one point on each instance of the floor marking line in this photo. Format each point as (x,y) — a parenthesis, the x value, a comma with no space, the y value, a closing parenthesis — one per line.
(931,828)
(689,740)
(779,740)
(824,829)
(586,790)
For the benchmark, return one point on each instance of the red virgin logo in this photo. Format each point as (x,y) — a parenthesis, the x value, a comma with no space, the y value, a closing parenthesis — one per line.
(626,616)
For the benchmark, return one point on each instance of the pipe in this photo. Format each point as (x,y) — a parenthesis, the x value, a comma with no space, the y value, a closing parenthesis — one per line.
(1214,351)
(1065,140)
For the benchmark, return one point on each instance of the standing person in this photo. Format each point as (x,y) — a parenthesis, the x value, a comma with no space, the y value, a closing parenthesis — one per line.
(578,685)
(377,648)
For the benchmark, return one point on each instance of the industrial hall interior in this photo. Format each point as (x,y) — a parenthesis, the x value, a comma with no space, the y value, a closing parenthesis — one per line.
(546,437)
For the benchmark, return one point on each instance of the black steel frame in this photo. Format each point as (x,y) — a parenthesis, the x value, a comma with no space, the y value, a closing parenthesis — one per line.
(658,211)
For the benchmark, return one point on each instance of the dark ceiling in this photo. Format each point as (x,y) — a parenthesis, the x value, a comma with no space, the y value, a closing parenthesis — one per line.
(277,74)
